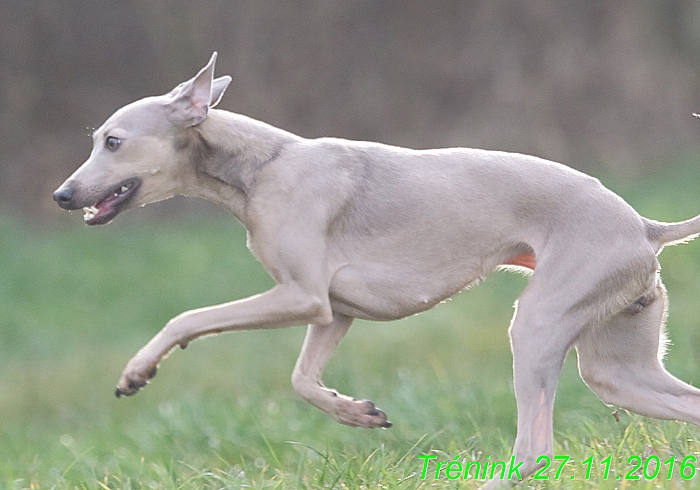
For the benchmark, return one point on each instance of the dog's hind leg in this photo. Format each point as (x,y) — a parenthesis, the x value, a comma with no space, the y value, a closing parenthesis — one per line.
(539,341)
(319,344)
(542,332)
(621,362)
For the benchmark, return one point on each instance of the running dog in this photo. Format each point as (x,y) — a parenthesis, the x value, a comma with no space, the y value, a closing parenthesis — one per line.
(365,230)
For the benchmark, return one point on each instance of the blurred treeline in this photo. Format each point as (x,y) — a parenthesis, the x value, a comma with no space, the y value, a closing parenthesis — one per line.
(608,85)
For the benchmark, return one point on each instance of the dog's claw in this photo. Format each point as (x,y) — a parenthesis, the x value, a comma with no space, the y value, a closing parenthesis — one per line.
(118,393)
(386,424)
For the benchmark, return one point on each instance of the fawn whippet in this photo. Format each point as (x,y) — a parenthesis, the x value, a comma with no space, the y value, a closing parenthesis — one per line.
(364,230)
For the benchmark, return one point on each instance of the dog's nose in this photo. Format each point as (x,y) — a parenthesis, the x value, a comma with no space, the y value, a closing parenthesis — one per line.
(64,196)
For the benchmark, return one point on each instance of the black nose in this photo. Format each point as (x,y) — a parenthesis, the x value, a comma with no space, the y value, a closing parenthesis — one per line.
(64,197)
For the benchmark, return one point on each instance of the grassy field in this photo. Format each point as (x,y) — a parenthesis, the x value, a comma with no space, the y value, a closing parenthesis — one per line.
(77,303)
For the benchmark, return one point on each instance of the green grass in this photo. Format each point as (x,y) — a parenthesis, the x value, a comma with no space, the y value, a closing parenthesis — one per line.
(76,303)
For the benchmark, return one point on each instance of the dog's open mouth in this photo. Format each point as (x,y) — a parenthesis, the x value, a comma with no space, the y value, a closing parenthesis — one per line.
(111,205)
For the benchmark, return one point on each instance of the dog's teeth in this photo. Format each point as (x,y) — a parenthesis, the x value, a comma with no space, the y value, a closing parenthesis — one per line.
(90,212)
(124,188)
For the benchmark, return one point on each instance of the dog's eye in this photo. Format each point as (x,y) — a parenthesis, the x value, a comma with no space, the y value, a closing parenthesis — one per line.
(112,143)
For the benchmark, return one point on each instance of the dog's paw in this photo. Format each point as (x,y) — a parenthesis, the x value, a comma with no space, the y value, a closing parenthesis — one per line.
(377,416)
(134,378)
(358,413)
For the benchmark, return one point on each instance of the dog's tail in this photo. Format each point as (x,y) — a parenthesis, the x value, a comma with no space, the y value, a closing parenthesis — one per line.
(661,234)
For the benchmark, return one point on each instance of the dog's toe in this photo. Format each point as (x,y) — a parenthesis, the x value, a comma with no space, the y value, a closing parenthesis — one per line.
(137,373)
(128,387)
(356,413)
(377,417)
(371,408)
(130,383)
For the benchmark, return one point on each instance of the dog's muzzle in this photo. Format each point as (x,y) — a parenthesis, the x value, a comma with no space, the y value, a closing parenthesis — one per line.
(99,208)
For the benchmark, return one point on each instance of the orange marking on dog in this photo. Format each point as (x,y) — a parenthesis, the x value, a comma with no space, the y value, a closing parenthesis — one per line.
(524,260)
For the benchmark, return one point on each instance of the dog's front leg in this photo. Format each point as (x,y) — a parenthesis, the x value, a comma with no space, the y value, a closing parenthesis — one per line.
(282,306)
(319,344)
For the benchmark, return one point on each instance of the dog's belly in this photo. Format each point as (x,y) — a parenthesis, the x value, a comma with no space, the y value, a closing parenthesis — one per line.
(388,293)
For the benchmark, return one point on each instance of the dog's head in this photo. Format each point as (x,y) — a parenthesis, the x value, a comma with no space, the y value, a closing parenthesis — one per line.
(135,157)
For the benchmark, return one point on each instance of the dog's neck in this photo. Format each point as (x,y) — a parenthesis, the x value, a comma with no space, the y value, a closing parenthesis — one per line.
(229,151)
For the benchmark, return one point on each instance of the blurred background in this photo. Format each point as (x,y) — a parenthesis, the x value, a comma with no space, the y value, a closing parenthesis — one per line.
(601,84)
(605,86)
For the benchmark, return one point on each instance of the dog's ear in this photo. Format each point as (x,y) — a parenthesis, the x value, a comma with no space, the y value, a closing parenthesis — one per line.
(190,101)
(218,87)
